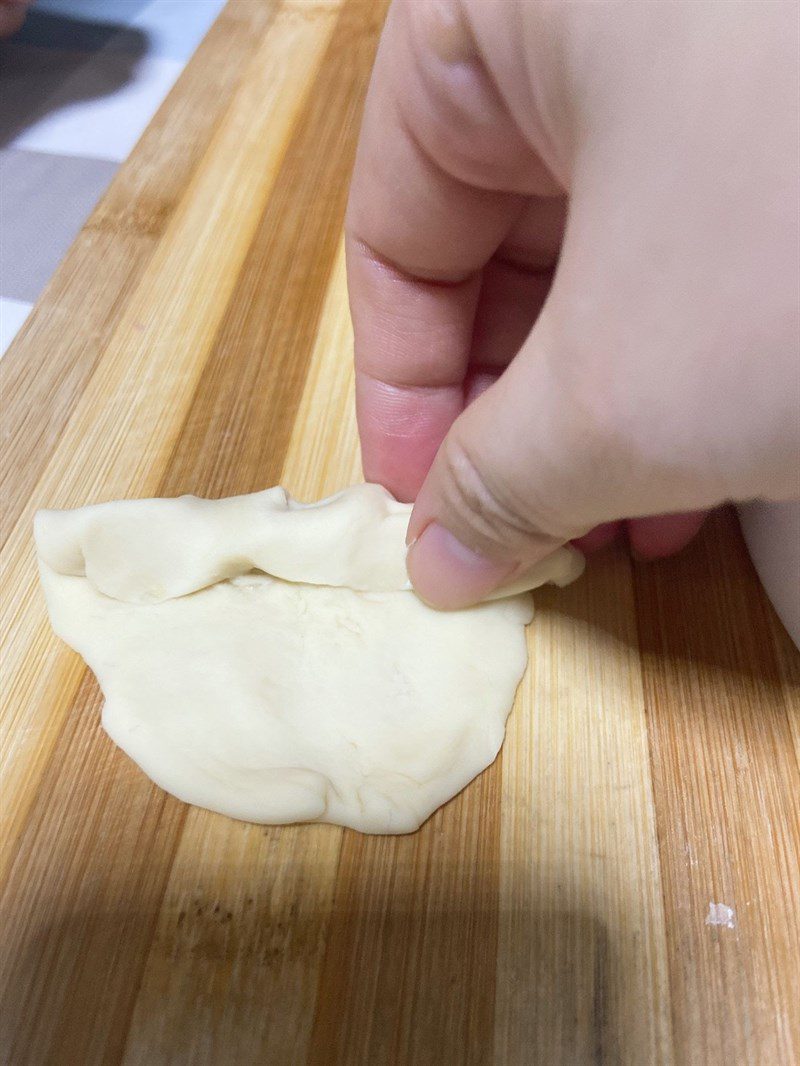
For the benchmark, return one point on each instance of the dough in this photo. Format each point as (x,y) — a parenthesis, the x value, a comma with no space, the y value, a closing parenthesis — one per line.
(267,659)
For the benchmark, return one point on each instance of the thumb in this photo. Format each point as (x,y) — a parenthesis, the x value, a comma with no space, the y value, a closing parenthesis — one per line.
(537,460)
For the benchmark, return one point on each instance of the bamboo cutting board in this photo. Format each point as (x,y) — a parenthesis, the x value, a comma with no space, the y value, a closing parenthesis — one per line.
(196,339)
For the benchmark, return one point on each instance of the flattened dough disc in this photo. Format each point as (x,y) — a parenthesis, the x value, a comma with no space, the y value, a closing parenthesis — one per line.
(266,659)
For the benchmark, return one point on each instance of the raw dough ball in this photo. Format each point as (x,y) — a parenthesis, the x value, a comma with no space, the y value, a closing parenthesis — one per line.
(266,659)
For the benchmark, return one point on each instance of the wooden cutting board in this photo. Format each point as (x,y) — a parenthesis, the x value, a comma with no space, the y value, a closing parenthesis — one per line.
(196,339)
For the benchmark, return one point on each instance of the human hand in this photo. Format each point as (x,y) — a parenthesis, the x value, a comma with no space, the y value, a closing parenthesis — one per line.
(572,259)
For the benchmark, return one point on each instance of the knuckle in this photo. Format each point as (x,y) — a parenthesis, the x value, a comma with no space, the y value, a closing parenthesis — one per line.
(464,125)
(490,516)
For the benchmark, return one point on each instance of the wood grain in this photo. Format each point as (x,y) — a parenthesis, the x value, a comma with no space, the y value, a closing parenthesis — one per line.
(727,791)
(39,392)
(126,423)
(580,877)
(197,338)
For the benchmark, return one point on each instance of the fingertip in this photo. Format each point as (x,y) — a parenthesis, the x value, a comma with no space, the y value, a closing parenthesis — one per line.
(400,431)
(659,536)
(395,482)
(448,575)
(599,537)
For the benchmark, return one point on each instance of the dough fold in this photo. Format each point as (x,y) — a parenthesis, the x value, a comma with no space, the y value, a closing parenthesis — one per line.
(148,551)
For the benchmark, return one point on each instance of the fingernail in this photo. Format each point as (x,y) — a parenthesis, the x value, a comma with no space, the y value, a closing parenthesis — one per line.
(447,574)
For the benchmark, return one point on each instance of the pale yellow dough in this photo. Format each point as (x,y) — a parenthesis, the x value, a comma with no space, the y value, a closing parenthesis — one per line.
(268,660)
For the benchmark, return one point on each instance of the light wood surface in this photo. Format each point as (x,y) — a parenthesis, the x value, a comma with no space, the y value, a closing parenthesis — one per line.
(197,339)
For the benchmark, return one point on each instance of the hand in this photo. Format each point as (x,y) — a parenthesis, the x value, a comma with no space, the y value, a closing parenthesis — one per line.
(572,257)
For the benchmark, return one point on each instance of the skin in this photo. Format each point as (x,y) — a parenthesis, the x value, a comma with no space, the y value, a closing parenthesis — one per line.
(12,15)
(572,258)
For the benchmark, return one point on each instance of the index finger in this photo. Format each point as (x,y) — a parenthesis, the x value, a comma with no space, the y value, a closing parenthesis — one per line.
(426,213)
